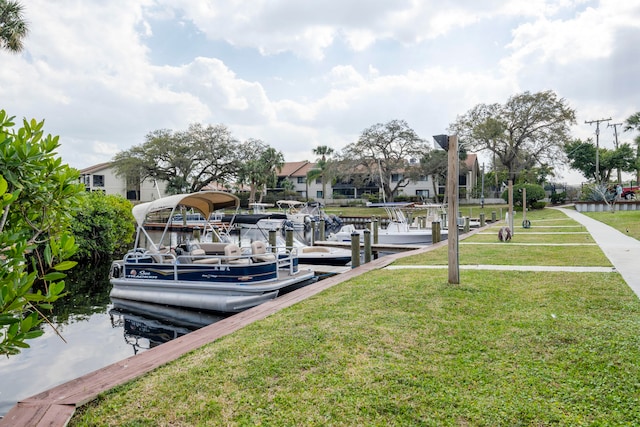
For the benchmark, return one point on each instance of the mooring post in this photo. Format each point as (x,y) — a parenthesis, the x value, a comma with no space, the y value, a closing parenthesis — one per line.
(355,250)
(367,245)
(435,232)
(321,237)
(481,219)
(375,231)
(272,240)
(313,232)
(288,234)
(467,224)
(493,216)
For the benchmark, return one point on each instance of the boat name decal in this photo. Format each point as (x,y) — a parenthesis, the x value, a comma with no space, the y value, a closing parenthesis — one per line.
(142,274)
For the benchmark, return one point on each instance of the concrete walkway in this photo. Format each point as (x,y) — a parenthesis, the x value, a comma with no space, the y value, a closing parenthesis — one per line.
(622,250)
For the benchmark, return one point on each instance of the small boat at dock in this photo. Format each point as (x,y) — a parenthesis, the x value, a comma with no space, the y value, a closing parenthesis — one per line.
(183,274)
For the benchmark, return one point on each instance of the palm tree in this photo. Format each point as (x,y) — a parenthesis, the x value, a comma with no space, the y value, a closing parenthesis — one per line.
(13,27)
(323,151)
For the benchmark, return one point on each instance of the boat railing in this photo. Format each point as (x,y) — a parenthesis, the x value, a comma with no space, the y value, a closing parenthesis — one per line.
(283,258)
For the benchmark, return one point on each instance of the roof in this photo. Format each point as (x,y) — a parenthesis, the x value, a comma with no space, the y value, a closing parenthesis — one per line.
(296,168)
(95,168)
(470,160)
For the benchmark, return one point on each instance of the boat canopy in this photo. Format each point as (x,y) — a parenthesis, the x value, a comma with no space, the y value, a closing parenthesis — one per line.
(205,202)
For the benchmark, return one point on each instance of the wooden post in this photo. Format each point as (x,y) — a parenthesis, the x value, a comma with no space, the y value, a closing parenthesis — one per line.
(435,232)
(482,220)
(288,235)
(272,240)
(510,224)
(452,198)
(367,245)
(313,232)
(524,204)
(355,250)
(375,231)
(322,236)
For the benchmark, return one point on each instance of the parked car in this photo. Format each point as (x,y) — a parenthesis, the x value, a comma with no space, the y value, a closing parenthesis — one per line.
(629,193)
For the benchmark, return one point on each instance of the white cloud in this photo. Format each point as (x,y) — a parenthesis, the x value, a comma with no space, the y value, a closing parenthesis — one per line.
(301,74)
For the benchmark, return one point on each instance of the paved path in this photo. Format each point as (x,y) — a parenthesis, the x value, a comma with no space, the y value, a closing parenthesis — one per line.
(622,250)
(576,269)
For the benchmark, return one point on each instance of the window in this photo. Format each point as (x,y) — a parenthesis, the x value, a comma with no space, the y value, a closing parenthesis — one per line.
(395,177)
(319,180)
(319,194)
(301,180)
(423,193)
(98,180)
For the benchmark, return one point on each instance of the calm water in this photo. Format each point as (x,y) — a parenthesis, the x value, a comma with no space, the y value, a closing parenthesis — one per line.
(97,331)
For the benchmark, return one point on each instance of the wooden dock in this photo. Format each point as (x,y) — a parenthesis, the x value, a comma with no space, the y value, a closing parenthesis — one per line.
(55,407)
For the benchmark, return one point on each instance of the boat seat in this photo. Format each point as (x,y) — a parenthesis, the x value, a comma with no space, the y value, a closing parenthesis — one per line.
(233,255)
(213,248)
(259,252)
(198,256)
(315,249)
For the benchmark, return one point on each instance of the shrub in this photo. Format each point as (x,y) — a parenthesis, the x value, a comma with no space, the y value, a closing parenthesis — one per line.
(103,227)
(534,193)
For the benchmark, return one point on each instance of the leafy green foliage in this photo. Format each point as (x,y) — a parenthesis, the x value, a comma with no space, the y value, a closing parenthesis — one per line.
(188,160)
(259,167)
(529,130)
(582,157)
(103,226)
(13,26)
(38,196)
(534,194)
(380,152)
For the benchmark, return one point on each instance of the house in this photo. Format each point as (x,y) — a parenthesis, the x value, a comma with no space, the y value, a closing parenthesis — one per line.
(102,177)
(296,174)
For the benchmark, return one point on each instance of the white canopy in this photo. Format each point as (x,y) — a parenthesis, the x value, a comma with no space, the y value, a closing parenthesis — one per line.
(205,202)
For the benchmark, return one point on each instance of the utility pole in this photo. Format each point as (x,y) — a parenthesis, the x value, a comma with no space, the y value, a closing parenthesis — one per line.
(597,122)
(615,133)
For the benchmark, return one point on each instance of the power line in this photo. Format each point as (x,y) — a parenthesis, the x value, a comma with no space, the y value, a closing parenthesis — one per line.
(597,122)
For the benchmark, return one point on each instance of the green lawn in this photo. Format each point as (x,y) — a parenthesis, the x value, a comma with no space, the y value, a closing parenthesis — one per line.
(625,221)
(403,347)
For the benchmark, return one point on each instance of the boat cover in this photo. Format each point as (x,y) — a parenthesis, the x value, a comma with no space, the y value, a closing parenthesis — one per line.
(205,202)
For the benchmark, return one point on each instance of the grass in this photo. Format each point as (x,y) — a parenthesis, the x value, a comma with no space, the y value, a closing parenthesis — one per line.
(625,221)
(401,347)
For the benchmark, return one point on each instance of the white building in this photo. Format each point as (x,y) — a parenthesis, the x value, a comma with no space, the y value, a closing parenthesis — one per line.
(102,177)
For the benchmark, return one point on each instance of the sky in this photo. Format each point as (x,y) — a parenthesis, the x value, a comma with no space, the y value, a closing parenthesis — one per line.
(298,74)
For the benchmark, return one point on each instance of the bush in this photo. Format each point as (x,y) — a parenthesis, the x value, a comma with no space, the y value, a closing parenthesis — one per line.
(558,198)
(103,227)
(534,193)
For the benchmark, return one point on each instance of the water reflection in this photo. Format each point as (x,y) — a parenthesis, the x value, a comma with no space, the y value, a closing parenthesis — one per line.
(96,333)
(148,325)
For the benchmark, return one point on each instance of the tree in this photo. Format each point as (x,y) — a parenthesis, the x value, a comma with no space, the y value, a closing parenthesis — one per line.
(38,196)
(435,164)
(188,161)
(13,27)
(259,168)
(103,226)
(529,130)
(323,167)
(383,149)
(582,157)
(633,123)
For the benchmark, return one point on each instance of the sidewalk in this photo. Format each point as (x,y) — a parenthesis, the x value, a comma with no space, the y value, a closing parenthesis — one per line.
(622,250)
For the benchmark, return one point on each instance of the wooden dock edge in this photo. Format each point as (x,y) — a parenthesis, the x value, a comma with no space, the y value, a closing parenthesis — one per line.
(56,406)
